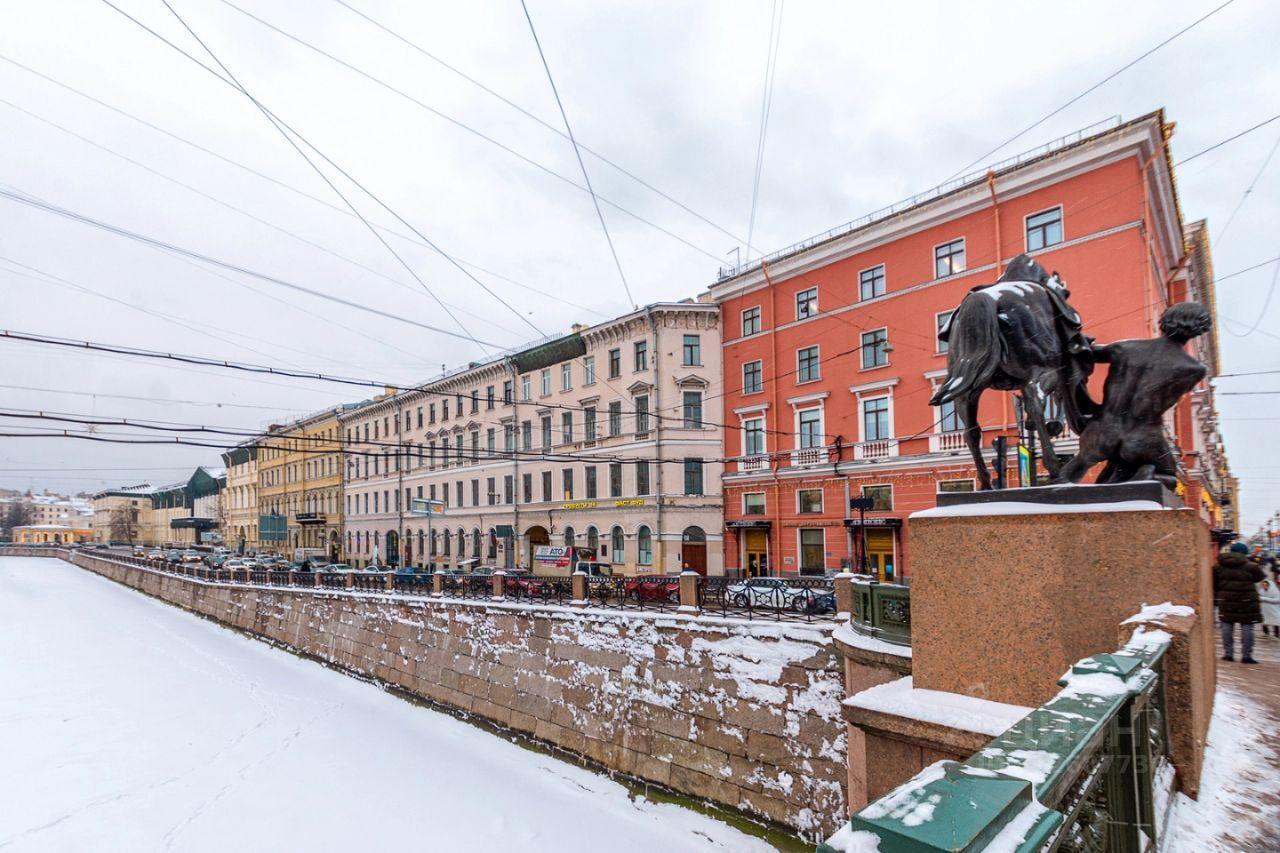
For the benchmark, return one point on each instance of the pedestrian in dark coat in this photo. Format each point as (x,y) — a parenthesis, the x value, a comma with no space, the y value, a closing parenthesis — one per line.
(1234,586)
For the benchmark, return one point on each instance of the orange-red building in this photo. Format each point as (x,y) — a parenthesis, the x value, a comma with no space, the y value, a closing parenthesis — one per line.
(831,349)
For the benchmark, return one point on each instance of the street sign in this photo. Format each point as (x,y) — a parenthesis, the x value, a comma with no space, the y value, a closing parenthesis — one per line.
(426,506)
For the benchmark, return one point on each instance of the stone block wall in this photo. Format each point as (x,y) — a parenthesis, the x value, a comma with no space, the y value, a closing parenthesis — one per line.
(745,716)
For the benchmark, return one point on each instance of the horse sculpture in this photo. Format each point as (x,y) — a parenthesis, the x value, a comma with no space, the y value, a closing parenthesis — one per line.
(1018,334)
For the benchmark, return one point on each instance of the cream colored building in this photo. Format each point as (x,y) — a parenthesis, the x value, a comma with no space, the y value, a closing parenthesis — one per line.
(607,438)
(240,498)
(299,494)
(120,508)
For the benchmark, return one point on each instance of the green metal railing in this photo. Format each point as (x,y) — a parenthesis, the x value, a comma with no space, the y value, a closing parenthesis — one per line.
(1079,774)
(882,610)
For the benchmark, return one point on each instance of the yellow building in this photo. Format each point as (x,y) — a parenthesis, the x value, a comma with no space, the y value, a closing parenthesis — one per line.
(117,513)
(240,498)
(300,486)
(50,534)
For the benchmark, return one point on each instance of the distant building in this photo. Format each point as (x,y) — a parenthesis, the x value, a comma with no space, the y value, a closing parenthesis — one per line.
(299,493)
(240,500)
(186,513)
(50,534)
(117,512)
(604,439)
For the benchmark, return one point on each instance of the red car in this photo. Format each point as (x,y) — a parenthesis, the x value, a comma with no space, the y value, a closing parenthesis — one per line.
(653,588)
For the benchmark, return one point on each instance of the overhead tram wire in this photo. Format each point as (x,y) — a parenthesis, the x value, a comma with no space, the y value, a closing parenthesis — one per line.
(1248,190)
(164,400)
(268,178)
(1093,88)
(474,132)
(270,117)
(32,201)
(283,126)
(595,201)
(766,105)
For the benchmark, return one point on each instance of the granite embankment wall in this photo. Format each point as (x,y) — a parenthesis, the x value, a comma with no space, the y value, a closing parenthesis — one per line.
(742,715)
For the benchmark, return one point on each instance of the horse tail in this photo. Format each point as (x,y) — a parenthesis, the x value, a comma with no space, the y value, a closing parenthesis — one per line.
(975,348)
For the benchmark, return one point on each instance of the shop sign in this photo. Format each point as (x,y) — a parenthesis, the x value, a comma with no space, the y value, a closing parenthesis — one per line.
(579,505)
(629,502)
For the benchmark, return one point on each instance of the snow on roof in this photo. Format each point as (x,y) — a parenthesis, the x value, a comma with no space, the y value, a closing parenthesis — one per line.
(1020,508)
(937,706)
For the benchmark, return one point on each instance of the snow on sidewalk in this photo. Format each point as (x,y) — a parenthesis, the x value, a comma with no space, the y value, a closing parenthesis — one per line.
(129,725)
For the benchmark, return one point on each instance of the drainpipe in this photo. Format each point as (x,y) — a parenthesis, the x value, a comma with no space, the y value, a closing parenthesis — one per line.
(775,564)
(657,439)
(515,463)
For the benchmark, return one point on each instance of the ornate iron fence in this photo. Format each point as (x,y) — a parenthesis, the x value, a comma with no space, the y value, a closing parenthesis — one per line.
(369,581)
(418,583)
(333,580)
(534,588)
(801,599)
(642,592)
(1084,773)
(882,610)
(468,586)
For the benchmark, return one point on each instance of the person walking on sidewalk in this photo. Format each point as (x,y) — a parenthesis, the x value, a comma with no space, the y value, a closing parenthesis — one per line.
(1235,579)
(1269,599)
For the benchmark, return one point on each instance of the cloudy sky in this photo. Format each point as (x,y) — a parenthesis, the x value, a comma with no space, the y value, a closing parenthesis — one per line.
(870,105)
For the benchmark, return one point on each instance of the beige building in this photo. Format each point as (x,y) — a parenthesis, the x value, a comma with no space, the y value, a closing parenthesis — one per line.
(118,513)
(606,439)
(240,498)
(299,493)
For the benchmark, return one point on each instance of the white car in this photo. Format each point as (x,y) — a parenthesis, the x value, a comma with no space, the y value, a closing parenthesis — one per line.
(192,556)
(770,592)
(234,565)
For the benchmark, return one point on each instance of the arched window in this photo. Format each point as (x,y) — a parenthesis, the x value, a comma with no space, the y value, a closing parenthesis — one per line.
(568,537)
(694,534)
(617,544)
(593,540)
(476,548)
(644,546)
(434,543)
(421,542)
(462,543)
(493,544)
(447,540)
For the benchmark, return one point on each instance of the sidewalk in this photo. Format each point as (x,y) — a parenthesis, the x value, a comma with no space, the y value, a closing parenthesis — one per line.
(1239,805)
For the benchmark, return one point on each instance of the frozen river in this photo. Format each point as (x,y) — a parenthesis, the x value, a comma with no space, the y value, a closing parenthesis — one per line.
(129,725)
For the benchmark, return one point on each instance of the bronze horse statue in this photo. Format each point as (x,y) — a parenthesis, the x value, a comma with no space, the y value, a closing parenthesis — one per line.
(1018,334)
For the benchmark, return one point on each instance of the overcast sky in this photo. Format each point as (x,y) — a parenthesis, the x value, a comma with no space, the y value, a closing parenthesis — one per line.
(870,105)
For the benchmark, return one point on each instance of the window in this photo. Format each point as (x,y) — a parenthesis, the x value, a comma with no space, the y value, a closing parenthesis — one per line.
(509,489)
(753,503)
(642,478)
(641,355)
(875,419)
(1044,229)
(546,485)
(875,348)
(692,351)
(808,364)
(475,401)
(589,423)
(943,318)
(419,424)
(949,419)
(813,549)
(806,303)
(871,283)
(509,437)
(617,546)
(566,377)
(566,476)
(692,410)
(566,427)
(751,321)
(615,479)
(526,388)
(753,437)
(752,377)
(693,476)
(809,427)
(642,414)
(491,440)
(508,393)
(644,546)
(526,435)
(475,492)
(809,500)
(615,418)
(615,363)
(488,397)
(955,486)
(590,490)
(545,377)
(948,259)
(881,497)
(589,370)
(546,431)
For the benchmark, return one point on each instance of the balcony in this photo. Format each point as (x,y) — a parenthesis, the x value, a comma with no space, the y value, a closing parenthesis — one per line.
(748,464)
(947,442)
(810,456)
(884,448)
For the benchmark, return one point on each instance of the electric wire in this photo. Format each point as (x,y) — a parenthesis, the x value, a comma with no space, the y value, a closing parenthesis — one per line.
(766,105)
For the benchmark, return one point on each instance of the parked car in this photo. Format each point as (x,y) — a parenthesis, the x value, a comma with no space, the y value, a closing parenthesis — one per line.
(336,567)
(233,564)
(653,588)
(771,592)
(173,556)
(155,555)
(217,561)
(138,550)
(190,555)
(245,563)
(594,569)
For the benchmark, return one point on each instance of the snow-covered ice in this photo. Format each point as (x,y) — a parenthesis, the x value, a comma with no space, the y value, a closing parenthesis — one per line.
(130,725)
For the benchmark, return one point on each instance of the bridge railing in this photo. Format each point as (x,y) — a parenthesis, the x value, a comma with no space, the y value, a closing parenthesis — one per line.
(1087,771)
(881,610)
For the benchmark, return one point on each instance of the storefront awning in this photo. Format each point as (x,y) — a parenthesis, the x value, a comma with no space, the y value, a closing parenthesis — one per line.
(749,523)
(877,521)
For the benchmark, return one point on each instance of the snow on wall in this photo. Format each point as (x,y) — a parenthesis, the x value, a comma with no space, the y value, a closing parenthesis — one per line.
(744,716)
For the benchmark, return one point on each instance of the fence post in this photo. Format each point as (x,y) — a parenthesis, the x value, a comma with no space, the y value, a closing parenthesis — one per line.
(391,581)
(689,591)
(579,598)
(437,584)
(844,596)
(499,585)
(293,579)
(349,579)
(315,578)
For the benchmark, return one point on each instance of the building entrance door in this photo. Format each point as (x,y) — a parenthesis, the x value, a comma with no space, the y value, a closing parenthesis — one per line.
(755,545)
(693,550)
(880,554)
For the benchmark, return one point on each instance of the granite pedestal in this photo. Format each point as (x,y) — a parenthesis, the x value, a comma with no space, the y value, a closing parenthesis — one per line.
(1003,604)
